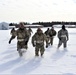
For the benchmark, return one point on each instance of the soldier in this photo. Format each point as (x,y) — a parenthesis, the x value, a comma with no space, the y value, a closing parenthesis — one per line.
(38,42)
(48,37)
(30,31)
(22,38)
(13,33)
(63,36)
(52,33)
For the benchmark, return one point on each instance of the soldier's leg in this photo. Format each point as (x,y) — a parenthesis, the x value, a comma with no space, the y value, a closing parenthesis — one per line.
(20,52)
(36,51)
(19,48)
(65,43)
(47,42)
(26,44)
(42,50)
(60,43)
(18,45)
(51,41)
(24,47)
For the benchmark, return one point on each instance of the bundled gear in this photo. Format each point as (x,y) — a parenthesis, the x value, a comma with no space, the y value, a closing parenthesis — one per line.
(52,33)
(29,31)
(48,37)
(63,36)
(38,42)
(13,33)
(22,38)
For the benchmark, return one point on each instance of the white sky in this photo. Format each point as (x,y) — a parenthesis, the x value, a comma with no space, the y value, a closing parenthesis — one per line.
(37,10)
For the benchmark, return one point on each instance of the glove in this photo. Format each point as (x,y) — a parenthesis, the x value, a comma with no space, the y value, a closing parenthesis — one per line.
(46,46)
(34,45)
(50,35)
(59,38)
(9,42)
(26,42)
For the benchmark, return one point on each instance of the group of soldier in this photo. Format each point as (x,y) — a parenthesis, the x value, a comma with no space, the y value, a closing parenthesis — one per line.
(37,39)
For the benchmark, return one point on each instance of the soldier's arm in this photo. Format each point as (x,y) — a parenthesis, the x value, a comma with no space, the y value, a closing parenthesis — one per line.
(45,38)
(12,37)
(67,35)
(31,31)
(59,35)
(33,40)
(59,32)
(27,34)
(14,34)
(54,34)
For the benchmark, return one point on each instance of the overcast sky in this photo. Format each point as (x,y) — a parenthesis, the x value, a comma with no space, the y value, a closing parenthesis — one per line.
(37,10)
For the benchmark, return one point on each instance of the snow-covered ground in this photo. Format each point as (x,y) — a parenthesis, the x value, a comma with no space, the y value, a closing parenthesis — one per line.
(54,62)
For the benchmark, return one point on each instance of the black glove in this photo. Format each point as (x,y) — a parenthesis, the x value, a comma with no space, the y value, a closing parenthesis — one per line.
(34,45)
(59,38)
(9,42)
(46,46)
(26,42)
(50,35)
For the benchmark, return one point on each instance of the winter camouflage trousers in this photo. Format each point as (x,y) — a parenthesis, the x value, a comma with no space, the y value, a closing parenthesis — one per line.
(21,47)
(51,40)
(47,42)
(39,48)
(64,43)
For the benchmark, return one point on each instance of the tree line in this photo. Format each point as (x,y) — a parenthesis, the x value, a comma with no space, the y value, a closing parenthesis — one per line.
(46,24)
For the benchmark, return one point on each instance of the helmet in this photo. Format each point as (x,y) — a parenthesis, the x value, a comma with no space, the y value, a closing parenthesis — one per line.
(21,25)
(39,29)
(63,27)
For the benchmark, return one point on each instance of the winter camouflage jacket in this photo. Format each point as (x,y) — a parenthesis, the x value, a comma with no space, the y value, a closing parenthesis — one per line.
(39,39)
(52,32)
(22,34)
(47,33)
